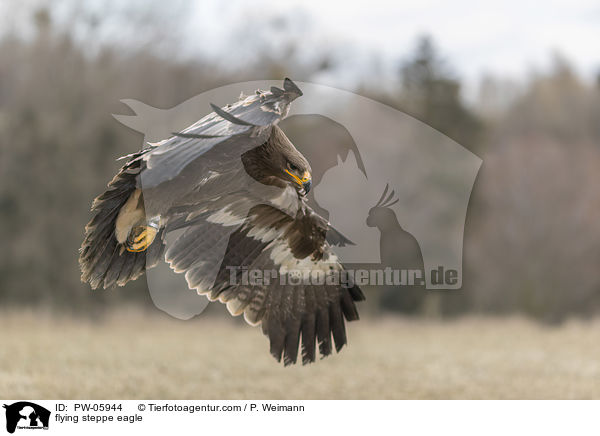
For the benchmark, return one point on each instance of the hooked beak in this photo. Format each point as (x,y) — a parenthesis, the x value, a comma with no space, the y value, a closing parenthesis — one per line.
(307,185)
(305,181)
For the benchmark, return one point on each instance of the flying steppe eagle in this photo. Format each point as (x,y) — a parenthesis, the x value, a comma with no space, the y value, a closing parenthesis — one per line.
(233,186)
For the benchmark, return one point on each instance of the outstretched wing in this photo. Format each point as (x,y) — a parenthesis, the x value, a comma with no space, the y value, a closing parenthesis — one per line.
(235,129)
(279,271)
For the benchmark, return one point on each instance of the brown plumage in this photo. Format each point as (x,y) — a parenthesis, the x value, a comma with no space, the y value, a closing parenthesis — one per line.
(235,186)
(266,162)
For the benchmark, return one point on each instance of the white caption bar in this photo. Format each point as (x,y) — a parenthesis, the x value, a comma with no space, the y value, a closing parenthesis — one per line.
(22,417)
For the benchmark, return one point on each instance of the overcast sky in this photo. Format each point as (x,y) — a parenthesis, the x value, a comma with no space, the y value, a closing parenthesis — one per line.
(507,38)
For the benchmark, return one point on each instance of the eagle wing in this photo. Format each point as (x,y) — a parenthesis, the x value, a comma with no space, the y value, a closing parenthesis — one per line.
(301,294)
(231,130)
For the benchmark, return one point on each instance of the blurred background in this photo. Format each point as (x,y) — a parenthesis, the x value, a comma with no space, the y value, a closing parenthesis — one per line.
(517,85)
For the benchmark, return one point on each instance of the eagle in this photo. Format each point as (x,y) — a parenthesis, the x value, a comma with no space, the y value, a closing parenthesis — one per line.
(231,189)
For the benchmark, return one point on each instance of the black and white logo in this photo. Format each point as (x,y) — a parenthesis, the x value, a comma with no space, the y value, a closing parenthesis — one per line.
(26,415)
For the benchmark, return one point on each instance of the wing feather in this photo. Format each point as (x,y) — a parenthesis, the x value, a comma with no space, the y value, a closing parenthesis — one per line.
(309,326)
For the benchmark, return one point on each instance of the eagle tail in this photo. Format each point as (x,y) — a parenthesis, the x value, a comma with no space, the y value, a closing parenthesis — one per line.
(103,260)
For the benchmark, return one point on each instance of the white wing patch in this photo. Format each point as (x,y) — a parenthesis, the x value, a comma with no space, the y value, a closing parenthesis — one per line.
(265,234)
(282,255)
(226,218)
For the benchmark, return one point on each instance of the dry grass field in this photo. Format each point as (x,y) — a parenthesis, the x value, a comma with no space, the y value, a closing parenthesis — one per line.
(131,356)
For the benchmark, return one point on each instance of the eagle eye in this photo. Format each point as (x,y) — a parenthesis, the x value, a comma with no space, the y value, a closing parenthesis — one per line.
(293,167)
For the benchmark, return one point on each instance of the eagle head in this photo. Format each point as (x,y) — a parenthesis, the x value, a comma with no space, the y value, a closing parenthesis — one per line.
(277,162)
(298,171)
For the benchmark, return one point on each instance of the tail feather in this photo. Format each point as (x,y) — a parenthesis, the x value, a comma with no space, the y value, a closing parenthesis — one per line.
(103,260)
(114,270)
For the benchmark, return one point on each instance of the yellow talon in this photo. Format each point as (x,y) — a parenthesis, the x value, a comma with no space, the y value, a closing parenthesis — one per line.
(135,248)
(140,238)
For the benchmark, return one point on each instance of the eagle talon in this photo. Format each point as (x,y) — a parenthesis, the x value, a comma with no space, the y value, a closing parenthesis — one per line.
(140,238)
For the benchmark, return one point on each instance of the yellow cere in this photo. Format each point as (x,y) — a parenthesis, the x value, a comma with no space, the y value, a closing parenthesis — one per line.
(305,177)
